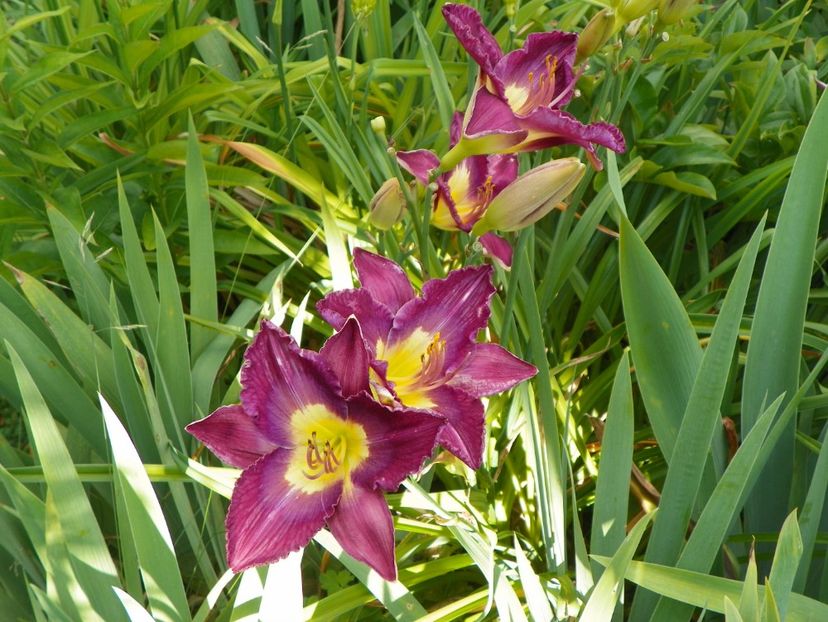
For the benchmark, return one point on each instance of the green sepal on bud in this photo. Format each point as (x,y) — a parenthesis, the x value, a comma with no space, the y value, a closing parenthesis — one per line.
(387,205)
(671,11)
(531,196)
(596,33)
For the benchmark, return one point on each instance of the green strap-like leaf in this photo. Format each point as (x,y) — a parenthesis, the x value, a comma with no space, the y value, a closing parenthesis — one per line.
(774,352)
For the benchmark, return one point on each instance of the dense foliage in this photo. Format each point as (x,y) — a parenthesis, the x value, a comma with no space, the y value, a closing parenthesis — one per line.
(173,172)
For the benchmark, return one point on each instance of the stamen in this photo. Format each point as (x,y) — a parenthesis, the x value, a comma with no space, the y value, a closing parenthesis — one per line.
(324,462)
(485,194)
(312,456)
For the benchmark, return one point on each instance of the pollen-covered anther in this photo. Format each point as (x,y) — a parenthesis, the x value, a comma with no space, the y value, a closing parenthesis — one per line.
(320,463)
(487,192)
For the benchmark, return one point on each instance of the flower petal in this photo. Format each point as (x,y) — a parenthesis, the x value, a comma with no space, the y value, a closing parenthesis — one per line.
(456,129)
(497,248)
(362,524)
(503,170)
(542,53)
(383,278)
(278,379)
(398,442)
(489,369)
(374,318)
(268,518)
(232,435)
(491,123)
(548,128)
(473,35)
(465,428)
(457,307)
(348,356)
(419,163)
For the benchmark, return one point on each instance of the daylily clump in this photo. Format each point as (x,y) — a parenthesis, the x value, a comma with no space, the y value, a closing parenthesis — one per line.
(424,349)
(316,449)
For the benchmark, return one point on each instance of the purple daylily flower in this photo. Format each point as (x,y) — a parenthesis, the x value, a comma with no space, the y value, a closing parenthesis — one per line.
(316,449)
(424,347)
(517,103)
(464,192)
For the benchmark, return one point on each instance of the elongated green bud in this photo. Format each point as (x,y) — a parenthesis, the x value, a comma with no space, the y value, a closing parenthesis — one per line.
(387,206)
(671,11)
(531,196)
(631,10)
(596,33)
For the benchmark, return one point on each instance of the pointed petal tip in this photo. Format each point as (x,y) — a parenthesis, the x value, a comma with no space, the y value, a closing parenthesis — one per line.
(386,281)
(362,524)
(232,435)
(349,357)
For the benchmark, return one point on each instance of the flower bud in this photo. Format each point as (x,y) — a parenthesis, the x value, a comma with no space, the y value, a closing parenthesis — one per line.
(509,6)
(378,125)
(631,10)
(531,196)
(362,8)
(387,206)
(671,11)
(599,29)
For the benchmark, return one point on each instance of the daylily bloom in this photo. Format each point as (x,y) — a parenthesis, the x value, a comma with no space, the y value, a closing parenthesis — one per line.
(315,449)
(517,103)
(424,347)
(464,192)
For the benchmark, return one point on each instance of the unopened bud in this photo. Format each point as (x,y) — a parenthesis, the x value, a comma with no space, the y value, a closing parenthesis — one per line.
(597,32)
(631,10)
(378,126)
(362,8)
(387,206)
(509,7)
(531,196)
(671,11)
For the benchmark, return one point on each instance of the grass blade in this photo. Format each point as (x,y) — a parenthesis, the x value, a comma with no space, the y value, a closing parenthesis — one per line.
(701,590)
(786,561)
(149,532)
(774,351)
(700,421)
(604,597)
(203,295)
(78,524)
(665,350)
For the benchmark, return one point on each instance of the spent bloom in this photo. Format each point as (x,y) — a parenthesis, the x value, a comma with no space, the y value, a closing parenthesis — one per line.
(315,449)
(516,105)
(424,348)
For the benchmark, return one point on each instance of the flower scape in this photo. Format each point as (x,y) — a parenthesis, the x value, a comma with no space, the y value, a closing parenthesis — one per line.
(321,436)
